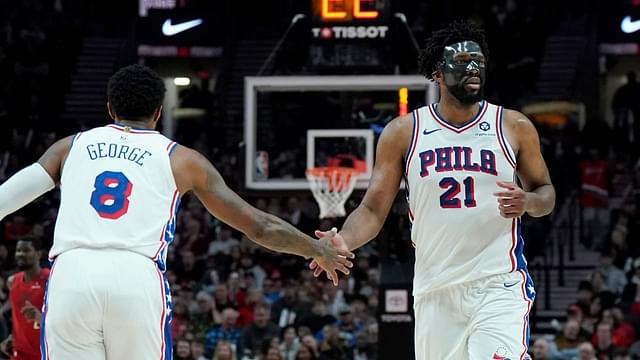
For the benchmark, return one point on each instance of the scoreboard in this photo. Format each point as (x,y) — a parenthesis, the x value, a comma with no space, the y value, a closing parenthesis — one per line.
(348,35)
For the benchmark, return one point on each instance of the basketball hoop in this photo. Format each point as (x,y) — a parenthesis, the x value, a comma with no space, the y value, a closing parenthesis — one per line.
(331,187)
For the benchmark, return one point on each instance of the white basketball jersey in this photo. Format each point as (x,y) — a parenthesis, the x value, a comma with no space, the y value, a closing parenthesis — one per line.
(451,174)
(117,192)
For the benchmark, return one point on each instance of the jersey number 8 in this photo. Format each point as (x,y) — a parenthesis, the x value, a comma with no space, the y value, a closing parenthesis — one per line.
(110,196)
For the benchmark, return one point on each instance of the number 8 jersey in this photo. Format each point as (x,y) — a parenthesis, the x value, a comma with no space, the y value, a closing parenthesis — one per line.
(117,192)
(451,173)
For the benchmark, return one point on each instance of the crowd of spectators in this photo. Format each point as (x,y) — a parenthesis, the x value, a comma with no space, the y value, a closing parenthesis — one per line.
(604,320)
(235,300)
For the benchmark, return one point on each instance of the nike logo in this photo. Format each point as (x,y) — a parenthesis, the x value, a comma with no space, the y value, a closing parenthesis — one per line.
(629,26)
(425,132)
(169,29)
(508,285)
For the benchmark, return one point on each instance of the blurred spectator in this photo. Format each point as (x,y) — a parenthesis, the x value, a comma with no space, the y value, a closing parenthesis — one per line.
(222,298)
(310,342)
(347,328)
(182,350)
(227,331)
(15,228)
(584,296)
(594,198)
(367,344)
(180,319)
(190,269)
(602,340)
(626,112)
(223,243)
(318,317)
(270,350)
(623,333)
(290,343)
(586,351)
(197,350)
(614,279)
(224,351)
(205,316)
(262,328)
(570,336)
(540,349)
(305,353)
(288,308)
(331,346)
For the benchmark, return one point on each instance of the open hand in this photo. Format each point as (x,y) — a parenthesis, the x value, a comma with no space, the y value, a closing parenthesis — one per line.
(512,201)
(334,258)
(337,241)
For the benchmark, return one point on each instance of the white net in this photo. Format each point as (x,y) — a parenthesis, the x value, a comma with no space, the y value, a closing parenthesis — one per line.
(331,187)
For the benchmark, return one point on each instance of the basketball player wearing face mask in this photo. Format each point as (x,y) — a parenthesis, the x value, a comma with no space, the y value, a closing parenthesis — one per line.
(472,169)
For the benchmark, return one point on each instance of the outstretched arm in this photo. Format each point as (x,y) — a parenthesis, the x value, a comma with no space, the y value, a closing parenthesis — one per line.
(366,221)
(537,196)
(31,182)
(194,172)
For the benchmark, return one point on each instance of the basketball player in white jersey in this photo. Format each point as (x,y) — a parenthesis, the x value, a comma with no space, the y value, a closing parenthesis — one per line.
(461,159)
(107,296)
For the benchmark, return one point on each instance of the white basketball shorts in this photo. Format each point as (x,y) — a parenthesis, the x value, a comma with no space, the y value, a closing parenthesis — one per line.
(105,304)
(480,320)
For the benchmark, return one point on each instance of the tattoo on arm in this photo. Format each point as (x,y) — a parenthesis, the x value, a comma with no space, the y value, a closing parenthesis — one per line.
(262,228)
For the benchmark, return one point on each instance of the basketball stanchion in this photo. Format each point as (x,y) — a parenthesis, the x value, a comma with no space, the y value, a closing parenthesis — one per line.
(331,187)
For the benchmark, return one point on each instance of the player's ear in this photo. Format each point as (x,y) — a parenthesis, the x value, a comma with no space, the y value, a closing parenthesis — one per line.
(110,110)
(437,76)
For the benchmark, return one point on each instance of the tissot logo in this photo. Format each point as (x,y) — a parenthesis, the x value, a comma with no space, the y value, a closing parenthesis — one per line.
(628,26)
(169,29)
(350,32)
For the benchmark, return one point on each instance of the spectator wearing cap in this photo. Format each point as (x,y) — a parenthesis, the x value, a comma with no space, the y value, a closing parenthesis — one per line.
(347,327)
(262,328)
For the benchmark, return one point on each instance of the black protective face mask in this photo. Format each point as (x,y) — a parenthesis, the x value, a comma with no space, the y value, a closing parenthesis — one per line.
(457,73)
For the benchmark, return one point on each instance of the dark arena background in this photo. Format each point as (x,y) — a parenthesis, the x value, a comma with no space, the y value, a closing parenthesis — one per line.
(267,89)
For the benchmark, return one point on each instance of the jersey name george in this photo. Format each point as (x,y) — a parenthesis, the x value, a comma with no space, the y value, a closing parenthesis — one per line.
(118,192)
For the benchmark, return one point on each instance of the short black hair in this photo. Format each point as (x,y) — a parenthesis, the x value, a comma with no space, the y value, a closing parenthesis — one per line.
(455,32)
(135,92)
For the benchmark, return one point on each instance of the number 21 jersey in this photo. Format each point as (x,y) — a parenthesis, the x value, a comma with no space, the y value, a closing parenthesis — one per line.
(117,192)
(451,173)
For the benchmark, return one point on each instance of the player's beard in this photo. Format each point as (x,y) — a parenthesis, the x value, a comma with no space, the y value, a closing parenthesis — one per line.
(466,97)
